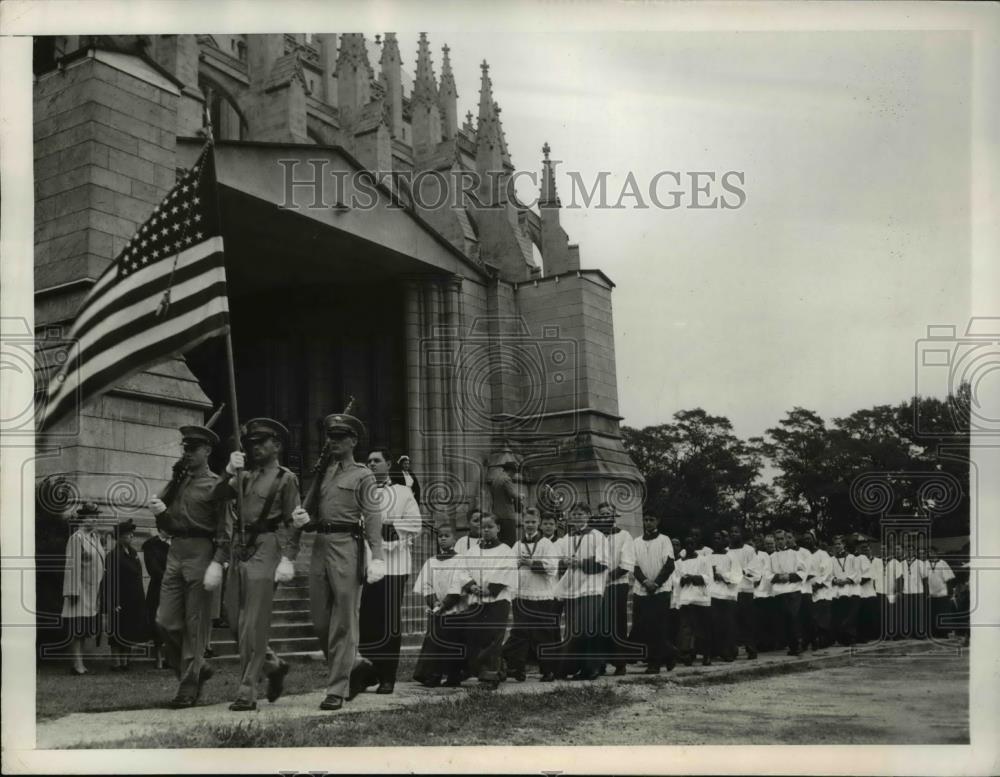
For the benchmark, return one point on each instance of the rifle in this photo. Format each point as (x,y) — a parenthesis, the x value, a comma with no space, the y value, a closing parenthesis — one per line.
(180,466)
(311,501)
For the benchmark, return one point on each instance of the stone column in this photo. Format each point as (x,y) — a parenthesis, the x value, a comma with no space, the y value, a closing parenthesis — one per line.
(412,334)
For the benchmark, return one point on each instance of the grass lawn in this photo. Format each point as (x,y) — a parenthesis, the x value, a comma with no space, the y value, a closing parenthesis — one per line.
(143,687)
(479,717)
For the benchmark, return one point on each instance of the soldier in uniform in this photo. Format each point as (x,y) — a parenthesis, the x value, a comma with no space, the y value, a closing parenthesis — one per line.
(270,505)
(348,511)
(197,522)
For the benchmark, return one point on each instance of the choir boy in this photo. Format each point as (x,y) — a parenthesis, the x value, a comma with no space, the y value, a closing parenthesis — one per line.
(443,651)
(653,590)
(581,588)
(488,576)
(787,572)
(536,622)
(695,574)
(723,590)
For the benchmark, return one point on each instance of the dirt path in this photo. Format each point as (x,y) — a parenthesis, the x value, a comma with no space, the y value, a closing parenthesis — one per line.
(693,706)
(872,701)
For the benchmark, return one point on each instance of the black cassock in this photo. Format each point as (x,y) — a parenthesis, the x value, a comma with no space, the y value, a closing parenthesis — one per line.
(123,599)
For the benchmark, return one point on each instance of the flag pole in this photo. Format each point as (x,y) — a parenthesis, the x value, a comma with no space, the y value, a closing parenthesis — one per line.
(230,374)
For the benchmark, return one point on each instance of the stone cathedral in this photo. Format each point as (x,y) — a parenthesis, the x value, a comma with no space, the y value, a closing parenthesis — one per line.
(469,334)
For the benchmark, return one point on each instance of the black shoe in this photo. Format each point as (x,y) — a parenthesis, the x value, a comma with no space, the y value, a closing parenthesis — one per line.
(452,682)
(243,706)
(602,670)
(751,655)
(519,675)
(181,702)
(209,653)
(688,661)
(276,682)
(331,702)
(651,669)
(386,686)
(793,652)
(619,670)
(706,661)
(430,682)
(548,677)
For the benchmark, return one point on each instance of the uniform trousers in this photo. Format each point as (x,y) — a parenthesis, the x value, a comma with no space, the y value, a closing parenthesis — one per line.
(695,632)
(822,625)
(334,604)
(845,619)
(614,626)
(787,607)
(535,628)
(483,628)
(941,622)
(380,629)
(249,601)
(651,622)
(746,621)
(442,653)
(183,616)
(724,628)
(581,648)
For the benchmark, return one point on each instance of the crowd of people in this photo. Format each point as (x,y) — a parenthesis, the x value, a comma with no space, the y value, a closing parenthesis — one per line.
(564,596)
(551,589)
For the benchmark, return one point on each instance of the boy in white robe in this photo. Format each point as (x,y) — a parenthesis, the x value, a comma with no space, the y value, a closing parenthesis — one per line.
(695,574)
(585,555)
(746,621)
(724,590)
(787,572)
(940,584)
(443,651)
(614,606)
(819,577)
(488,576)
(652,592)
(868,612)
(464,544)
(763,597)
(895,569)
(534,611)
(846,581)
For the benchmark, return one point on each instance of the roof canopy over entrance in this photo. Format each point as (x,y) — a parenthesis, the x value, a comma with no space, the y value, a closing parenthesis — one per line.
(264,218)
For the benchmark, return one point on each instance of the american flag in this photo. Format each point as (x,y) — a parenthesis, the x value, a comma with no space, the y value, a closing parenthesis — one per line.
(164,294)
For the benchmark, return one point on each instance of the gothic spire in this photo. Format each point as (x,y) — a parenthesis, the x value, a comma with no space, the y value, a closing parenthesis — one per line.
(549,196)
(448,96)
(424,85)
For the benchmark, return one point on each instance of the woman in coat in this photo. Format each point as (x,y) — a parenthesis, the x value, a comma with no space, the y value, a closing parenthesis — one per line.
(123,599)
(82,577)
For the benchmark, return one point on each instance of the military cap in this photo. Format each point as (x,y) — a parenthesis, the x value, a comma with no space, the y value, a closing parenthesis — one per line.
(88,509)
(264,427)
(345,423)
(200,434)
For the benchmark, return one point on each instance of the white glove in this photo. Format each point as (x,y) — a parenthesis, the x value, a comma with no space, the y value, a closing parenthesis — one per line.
(213,576)
(285,571)
(237,460)
(156,506)
(299,517)
(376,570)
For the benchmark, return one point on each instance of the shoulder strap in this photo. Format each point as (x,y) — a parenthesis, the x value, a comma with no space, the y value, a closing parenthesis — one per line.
(276,485)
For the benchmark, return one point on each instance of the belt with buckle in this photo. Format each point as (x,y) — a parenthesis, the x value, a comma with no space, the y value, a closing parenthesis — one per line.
(338,528)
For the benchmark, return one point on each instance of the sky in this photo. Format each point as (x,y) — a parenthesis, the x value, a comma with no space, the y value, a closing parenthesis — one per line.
(855,232)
